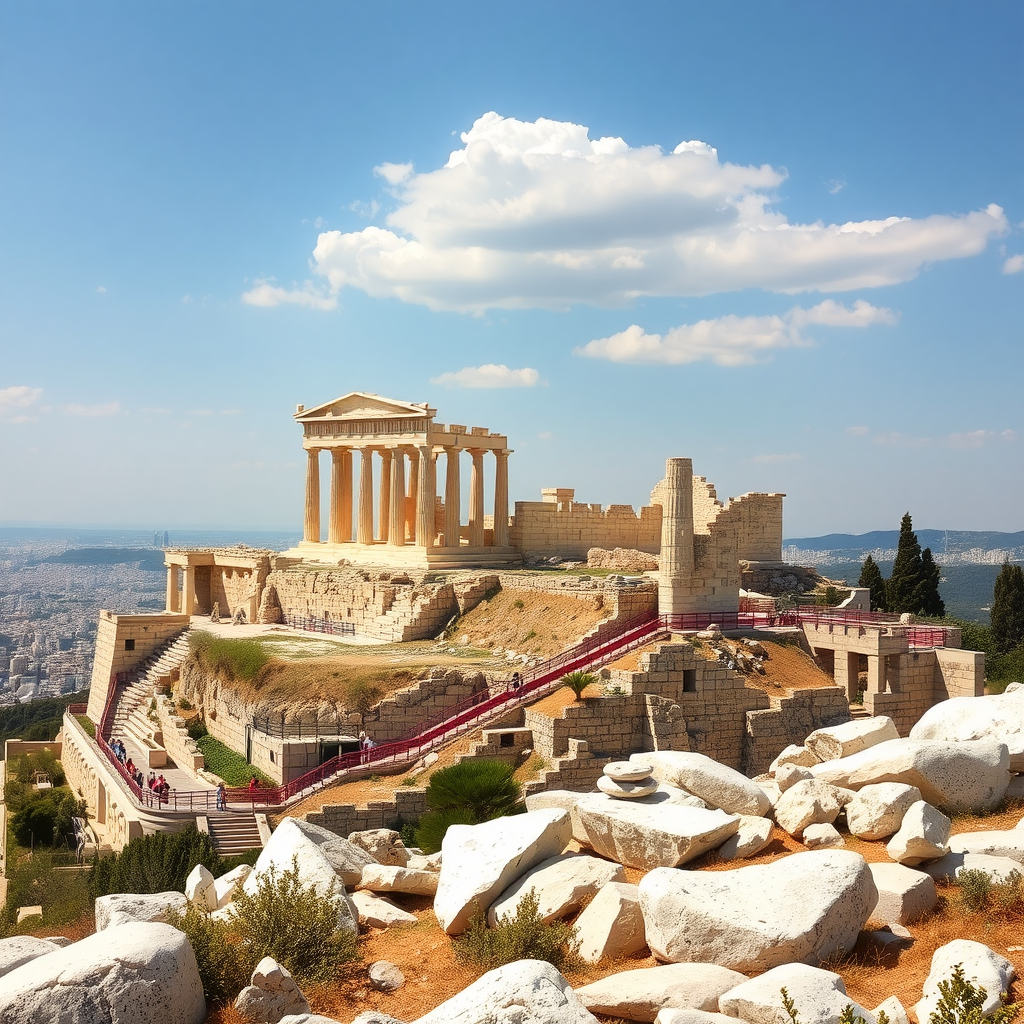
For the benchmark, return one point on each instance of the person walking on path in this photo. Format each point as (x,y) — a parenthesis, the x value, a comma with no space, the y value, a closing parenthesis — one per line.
(222,798)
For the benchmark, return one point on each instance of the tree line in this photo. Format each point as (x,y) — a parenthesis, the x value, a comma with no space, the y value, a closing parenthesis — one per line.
(913,584)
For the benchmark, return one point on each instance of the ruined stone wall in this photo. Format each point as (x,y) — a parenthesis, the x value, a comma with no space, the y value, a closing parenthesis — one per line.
(760,526)
(706,505)
(789,720)
(408,804)
(231,587)
(570,529)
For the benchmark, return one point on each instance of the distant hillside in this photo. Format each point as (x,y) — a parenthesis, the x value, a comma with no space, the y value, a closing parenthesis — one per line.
(148,559)
(950,547)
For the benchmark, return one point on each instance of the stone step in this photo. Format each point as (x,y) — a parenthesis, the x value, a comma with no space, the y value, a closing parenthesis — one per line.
(234,832)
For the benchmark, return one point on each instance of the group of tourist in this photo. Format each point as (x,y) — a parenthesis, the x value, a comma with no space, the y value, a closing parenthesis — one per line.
(365,746)
(159,785)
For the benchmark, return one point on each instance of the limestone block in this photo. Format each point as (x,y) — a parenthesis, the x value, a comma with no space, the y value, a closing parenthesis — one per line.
(788,775)
(226,884)
(643,835)
(201,888)
(560,883)
(560,798)
(967,776)
(478,862)
(270,995)
(736,919)
(999,869)
(377,912)
(347,858)
(981,965)
(385,976)
(627,790)
(819,995)
(997,716)
(904,895)
(822,837)
(527,991)
(612,925)
(391,878)
(893,1009)
(626,771)
(690,1016)
(752,836)
(923,835)
(851,737)
(384,845)
(144,972)
(641,994)
(793,754)
(996,843)
(811,802)
(716,784)
(125,907)
(877,811)
(20,949)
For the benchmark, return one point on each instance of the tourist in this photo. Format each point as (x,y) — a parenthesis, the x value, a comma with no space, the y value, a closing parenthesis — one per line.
(222,798)
(151,782)
(517,681)
(130,766)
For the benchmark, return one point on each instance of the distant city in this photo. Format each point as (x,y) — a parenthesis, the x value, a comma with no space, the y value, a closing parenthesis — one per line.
(53,583)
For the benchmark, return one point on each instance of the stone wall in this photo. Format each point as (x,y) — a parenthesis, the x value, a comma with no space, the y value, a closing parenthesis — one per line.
(122,643)
(789,720)
(408,804)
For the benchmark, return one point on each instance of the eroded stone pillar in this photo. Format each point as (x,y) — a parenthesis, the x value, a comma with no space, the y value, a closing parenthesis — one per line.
(876,673)
(188,597)
(384,512)
(412,505)
(173,594)
(452,499)
(501,499)
(476,499)
(364,532)
(396,537)
(425,497)
(311,530)
(339,530)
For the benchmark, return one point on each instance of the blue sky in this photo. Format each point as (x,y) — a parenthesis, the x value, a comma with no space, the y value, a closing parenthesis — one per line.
(782,239)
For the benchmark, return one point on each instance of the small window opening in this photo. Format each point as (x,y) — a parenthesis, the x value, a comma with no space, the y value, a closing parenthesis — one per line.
(129,645)
(507,739)
(689,680)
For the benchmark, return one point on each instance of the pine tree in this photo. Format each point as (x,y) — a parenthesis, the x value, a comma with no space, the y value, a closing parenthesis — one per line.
(1008,608)
(929,601)
(902,587)
(871,577)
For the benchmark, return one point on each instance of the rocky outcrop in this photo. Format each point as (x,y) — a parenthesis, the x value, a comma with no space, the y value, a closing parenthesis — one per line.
(997,716)
(126,907)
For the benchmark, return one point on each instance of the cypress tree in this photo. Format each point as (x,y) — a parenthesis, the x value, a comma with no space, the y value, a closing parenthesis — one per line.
(1008,608)
(871,577)
(929,601)
(903,586)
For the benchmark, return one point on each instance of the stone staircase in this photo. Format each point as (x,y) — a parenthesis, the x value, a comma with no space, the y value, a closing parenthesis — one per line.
(233,832)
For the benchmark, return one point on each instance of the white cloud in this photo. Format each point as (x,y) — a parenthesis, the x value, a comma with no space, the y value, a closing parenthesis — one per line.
(538,214)
(835,186)
(266,294)
(16,403)
(858,431)
(969,439)
(490,375)
(365,210)
(731,340)
(1014,265)
(101,290)
(102,409)
(791,457)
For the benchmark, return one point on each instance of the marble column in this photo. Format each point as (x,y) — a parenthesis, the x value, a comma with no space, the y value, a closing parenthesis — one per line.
(412,505)
(501,499)
(173,594)
(476,499)
(396,538)
(339,529)
(364,533)
(188,603)
(311,531)
(425,497)
(452,499)
(384,511)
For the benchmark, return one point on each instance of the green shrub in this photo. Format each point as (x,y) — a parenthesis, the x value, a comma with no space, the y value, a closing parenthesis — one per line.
(225,962)
(578,681)
(87,724)
(518,937)
(430,831)
(294,924)
(197,728)
(63,895)
(227,656)
(977,892)
(155,863)
(24,767)
(487,788)
(228,764)
(961,1002)
(44,819)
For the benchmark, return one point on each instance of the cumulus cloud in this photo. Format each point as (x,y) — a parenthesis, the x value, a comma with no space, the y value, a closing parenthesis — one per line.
(731,340)
(538,214)
(1014,265)
(102,409)
(265,293)
(490,375)
(969,439)
(17,403)
(365,210)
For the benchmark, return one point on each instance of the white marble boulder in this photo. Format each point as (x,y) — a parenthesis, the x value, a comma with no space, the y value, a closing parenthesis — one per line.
(686,1015)
(893,1009)
(526,991)
(226,885)
(643,835)
(823,837)
(838,741)
(561,885)
(820,997)
(794,754)
(478,862)
(144,972)
(270,995)
(739,919)
(127,907)
(612,924)
(904,895)
(997,843)
(201,888)
(384,845)
(716,784)
(290,847)
(392,878)
(981,965)
(997,716)
(347,858)
(999,869)
(20,949)
(641,994)
(788,775)
(378,912)
(923,835)
(627,790)
(877,811)
(752,836)
(965,776)
(811,802)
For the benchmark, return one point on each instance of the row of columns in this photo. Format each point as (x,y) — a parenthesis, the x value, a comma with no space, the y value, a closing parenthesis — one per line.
(393,525)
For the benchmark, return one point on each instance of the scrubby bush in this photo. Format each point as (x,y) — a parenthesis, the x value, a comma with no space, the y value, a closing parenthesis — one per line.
(227,656)
(978,892)
(430,832)
(225,963)
(962,1002)
(521,936)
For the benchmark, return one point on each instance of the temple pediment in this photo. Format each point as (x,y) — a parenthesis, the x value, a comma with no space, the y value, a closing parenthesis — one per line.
(358,405)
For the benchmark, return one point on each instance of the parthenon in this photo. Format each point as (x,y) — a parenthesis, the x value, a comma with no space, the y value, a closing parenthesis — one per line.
(400,520)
